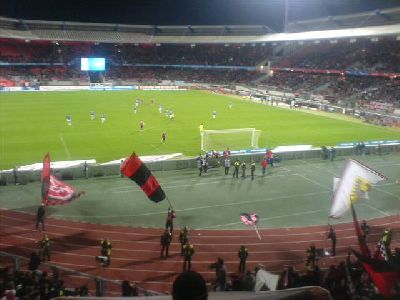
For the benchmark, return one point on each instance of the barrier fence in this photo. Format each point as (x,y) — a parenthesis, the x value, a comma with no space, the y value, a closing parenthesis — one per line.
(99,170)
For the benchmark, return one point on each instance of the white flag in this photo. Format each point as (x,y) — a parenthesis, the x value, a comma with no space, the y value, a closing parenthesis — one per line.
(355,182)
(335,185)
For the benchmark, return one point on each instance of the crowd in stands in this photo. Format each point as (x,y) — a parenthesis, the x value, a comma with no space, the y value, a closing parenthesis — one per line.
(137,75)
(212,55)
(364,55)
(66,52)
(35,285)
(217,76)
(339,88)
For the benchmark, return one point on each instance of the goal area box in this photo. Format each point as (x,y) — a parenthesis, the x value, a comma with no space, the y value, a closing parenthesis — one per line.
(236,139)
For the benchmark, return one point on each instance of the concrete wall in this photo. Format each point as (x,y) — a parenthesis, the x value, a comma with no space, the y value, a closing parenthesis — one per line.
(98,170)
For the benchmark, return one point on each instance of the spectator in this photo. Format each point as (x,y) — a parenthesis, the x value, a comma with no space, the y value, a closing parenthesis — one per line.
(189,285)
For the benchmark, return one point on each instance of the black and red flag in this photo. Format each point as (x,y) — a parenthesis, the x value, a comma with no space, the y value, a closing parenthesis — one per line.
(384,274)
(137,171)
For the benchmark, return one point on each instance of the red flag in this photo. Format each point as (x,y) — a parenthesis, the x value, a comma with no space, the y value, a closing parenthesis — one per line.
(383,274)
(137,171)
(249,219)
(60,192)
(55,191)
(45,177)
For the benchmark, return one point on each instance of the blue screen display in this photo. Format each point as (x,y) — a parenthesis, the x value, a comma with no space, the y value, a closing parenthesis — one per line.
(93,64)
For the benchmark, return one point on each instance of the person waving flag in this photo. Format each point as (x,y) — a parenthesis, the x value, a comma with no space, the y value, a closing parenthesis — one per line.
(251,219)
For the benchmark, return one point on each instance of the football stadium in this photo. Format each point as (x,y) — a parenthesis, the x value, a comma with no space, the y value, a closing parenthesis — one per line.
(206,161)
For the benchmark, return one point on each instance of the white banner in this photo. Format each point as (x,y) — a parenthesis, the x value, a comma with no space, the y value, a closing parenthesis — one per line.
(355,181)
(56,165)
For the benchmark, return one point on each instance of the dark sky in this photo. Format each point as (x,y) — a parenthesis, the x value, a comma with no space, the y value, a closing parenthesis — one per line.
(185,12)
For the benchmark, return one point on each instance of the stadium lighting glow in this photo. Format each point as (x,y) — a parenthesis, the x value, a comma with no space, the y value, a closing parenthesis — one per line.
(92,64)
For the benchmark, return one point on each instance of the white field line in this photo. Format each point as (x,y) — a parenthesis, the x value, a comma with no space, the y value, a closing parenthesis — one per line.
(65,147)
(377,209)
(386,192)
(318,168)
(314,182)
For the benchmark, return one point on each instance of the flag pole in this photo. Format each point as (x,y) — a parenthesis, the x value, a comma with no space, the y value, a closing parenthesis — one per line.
(169,202)
(361,240)
(258,234)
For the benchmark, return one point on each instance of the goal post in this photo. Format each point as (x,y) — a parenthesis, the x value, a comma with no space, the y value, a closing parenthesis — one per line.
(239,139)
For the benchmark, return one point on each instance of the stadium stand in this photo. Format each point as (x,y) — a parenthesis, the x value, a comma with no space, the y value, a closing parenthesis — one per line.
(358,73)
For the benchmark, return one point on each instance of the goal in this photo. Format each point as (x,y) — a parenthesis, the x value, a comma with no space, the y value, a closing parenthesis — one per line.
(236,139)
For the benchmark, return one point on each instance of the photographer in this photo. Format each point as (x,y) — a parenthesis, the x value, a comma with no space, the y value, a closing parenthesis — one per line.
(105,258)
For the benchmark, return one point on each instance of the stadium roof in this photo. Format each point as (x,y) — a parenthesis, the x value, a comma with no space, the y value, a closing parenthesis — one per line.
(386,23)
(195,12)
(370,18)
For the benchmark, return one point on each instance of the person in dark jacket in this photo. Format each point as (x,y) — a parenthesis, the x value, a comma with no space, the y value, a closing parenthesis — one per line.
(252,169)
(332,236)
(188,251)
(183,238)
(236,170)
(44,248)
(34,261)
(40,216)
(165,242)
(243,254)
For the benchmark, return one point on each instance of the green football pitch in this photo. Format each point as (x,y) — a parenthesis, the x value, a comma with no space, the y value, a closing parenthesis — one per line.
(294,193)
(32,124)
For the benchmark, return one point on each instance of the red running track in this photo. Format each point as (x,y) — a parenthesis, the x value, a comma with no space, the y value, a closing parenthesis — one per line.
(136,251)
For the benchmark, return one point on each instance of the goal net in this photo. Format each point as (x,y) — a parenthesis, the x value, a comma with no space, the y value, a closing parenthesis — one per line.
(239,139)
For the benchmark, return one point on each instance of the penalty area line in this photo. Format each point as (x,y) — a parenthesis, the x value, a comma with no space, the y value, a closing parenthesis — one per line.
(65,146)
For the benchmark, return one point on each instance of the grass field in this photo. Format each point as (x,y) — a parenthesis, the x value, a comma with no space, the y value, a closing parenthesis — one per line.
(32,124)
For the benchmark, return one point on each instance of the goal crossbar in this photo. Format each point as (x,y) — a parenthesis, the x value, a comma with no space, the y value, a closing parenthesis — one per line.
(229,130)
(241,138)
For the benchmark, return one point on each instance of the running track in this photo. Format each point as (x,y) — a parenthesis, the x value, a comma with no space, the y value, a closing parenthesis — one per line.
(136,251)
